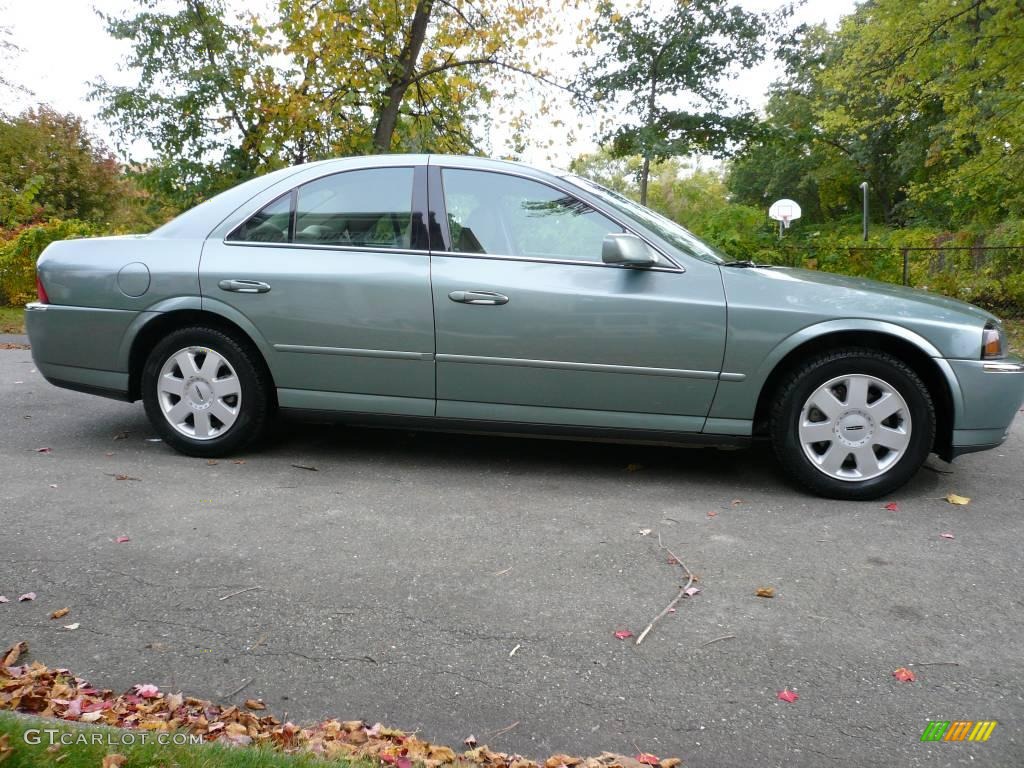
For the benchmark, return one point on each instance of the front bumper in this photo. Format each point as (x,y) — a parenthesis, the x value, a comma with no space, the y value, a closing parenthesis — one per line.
(992,392)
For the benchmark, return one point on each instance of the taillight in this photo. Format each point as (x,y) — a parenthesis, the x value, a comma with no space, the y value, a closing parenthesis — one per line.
(41,291)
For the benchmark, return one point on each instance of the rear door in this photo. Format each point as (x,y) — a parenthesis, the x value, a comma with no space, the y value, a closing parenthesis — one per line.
(532,326)
(336,278)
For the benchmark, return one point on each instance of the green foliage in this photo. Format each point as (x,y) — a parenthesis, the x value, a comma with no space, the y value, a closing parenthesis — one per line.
(223,98)
(51,167)
(18,256)
(646,60)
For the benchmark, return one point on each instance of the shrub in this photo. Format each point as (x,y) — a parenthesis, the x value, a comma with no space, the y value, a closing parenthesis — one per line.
(18,256)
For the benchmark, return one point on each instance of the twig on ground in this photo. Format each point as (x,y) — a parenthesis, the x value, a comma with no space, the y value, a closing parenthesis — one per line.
(676,599)
(240,591)
(513,653)
(723,637)
(240,688)
(502,573)
(505,730)
(936,664)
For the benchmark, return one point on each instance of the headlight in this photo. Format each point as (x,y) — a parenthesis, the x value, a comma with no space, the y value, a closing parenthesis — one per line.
(992,343)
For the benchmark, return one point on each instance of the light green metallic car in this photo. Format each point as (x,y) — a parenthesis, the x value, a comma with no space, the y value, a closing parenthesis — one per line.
(469,294)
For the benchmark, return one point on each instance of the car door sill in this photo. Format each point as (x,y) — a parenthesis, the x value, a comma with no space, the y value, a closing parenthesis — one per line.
(519,429)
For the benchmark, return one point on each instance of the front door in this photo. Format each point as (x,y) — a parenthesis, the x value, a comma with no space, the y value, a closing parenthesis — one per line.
(531,326)
(329,276)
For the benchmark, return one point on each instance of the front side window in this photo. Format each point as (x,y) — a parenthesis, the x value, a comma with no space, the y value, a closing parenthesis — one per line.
(497,214)
(362,209)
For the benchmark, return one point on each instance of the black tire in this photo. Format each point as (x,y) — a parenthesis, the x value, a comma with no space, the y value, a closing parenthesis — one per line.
(254,405)
(798,387)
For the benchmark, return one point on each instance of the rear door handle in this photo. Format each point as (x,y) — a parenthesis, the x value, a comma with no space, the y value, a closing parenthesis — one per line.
(244,286)
(478,297)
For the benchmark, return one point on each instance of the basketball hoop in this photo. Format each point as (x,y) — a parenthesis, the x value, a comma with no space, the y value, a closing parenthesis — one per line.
(785,212)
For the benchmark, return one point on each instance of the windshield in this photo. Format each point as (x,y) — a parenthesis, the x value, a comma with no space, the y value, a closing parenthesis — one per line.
(664,227)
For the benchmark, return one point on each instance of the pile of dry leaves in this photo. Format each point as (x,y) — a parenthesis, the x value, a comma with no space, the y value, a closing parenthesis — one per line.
(37,689)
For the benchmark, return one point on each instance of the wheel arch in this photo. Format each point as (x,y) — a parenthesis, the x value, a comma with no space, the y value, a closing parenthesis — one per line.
(900,342)
(153,325)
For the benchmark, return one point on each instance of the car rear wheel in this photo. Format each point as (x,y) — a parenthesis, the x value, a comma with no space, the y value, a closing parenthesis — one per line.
(853,424)
(205,392)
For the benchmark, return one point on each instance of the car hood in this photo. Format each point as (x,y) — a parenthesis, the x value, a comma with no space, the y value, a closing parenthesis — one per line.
(860,297)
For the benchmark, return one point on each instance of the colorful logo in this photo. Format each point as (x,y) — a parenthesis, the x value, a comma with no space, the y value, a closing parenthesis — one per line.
(958,730)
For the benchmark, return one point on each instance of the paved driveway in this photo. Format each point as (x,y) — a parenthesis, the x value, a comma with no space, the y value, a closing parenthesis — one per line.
(396,581)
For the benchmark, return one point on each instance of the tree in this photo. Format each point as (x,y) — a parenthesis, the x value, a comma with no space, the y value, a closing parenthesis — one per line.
(222,98)
(665,73)
(52,167)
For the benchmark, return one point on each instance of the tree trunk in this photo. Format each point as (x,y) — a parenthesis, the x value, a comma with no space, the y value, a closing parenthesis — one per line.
(645,172)
(395,94)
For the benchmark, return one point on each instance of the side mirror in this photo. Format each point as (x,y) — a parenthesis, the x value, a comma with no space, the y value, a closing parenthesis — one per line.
(628,250)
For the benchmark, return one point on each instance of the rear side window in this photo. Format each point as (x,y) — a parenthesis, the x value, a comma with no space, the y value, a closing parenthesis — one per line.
(270,225)
(362,209)
(503,215)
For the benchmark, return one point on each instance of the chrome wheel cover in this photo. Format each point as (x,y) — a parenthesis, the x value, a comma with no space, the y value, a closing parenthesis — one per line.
(854,427)
(199,393)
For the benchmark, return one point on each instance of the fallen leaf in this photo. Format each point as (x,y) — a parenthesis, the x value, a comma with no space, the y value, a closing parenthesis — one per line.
(904,675)
(892,506)
(58,614)
(76,625)
(712,514)
(947,535)
(736,502)
(121,435)
(958,500)
(212,463)
(255,704)
(126,477)
(12,654)
(122,540)
(5,750)
(622,634)
(3,599)
(114,760)
(691,591)
(43,450)
(634,467)
(644,531)
(238,461)
(787,696)
(673,561)
(147,691)
(53,485)
(670,762)
(27,596)
(91,717)
(765,592)
(470,741)
(109,453)
(303,466)
(647,759)
(403,762)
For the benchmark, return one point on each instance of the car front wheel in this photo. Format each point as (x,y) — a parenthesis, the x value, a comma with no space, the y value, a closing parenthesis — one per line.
(853,424)
(204,392)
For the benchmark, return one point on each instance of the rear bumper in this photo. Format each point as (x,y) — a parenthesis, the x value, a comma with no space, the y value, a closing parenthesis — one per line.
(992,393)
(79,347)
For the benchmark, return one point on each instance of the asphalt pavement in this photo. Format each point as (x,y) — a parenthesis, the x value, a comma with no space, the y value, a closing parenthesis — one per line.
(458,585)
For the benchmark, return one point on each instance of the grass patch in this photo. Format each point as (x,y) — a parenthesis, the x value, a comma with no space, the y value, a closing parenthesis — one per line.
(12,320)
(149,755)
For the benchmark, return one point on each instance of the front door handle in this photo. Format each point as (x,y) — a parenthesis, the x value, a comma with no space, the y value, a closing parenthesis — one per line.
(478,297)
(244,286)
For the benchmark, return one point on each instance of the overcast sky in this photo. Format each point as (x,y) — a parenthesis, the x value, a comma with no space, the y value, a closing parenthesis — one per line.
(64,46)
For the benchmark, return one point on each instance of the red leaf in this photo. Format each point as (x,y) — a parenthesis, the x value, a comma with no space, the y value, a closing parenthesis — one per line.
(904,675)
(787,696)
(121,540)
(147,691)
(892,506)
(712,514)
(622,634)
(691,591)
(404,762)
(647,759)
(27,596)
(946,535)
(390,759)
(43,450)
